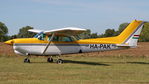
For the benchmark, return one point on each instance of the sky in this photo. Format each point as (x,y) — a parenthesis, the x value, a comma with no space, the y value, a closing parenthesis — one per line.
(96,15)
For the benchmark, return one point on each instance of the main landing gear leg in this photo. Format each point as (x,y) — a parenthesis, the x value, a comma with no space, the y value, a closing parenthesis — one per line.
(59,61)
(50,59)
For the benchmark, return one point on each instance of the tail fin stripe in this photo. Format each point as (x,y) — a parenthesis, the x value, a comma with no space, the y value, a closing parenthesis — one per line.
(136,35)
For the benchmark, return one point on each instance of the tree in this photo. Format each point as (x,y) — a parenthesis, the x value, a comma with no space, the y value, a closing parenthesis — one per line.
(144,36)
(86,34)
(23,32)
(101,36)
(3,32)
(94,35)
(13,36)
(109,33)
(121,28)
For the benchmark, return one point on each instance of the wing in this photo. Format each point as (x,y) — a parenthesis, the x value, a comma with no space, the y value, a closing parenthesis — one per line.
(67,30)
(35,30)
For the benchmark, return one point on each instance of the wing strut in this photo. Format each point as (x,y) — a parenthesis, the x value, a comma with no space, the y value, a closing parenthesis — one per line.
(48,44)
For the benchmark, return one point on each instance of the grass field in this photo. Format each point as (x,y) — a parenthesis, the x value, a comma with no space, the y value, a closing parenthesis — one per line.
(111,67)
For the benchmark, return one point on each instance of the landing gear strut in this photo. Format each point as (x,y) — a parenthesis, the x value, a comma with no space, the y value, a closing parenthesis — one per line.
(60,61)
(50,59)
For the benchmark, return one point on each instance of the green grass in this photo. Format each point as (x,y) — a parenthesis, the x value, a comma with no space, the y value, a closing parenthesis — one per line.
(75,70)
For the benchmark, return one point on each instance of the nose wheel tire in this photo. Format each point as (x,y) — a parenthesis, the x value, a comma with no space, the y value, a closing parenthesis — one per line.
(60,61)
(26,60)
(50,59)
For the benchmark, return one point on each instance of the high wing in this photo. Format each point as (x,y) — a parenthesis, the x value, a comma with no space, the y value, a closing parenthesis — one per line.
(67,30)
(35,30)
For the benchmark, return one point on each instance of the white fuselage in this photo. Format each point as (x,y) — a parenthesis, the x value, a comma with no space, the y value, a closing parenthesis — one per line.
(58,49)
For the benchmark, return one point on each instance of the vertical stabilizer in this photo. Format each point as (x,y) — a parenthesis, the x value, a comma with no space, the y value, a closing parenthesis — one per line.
(131,34)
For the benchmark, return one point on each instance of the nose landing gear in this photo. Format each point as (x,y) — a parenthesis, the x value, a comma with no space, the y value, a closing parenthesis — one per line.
(26,60)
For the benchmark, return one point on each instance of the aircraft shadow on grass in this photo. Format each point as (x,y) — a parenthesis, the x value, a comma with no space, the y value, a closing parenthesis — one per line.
(80,62)
(85,63)
(138,62)
(126,62)
(97,63)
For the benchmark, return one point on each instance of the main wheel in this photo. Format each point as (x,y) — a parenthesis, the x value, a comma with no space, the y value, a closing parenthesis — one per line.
(26,60)
(50,59)
(60,61)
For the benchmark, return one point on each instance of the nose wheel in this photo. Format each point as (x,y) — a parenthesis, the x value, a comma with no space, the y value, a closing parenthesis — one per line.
(26,60)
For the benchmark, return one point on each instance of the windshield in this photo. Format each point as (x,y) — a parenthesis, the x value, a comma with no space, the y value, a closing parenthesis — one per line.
(40,36)
(61,38)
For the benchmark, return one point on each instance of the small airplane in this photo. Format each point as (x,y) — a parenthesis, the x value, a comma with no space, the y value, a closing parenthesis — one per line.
(63,41)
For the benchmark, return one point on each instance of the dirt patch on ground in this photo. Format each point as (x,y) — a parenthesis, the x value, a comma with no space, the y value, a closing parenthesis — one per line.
(141,50)
(6,49)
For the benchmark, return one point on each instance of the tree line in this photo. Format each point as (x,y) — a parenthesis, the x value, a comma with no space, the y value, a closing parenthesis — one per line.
(23,33)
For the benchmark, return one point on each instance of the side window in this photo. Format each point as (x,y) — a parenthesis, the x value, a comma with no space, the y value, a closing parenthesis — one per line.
(55,38)
(66,39)
(61,38)
(49,37)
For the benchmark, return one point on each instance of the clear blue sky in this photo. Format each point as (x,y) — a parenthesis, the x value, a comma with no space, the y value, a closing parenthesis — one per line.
(96,15)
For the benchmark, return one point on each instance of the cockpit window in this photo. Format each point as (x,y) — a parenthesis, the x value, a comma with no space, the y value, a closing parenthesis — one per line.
(40,36)
(66,39)
(61,38)
(55,38)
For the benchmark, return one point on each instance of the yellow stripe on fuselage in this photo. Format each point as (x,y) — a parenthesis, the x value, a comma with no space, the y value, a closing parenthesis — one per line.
(37,41)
